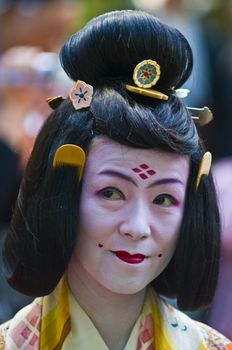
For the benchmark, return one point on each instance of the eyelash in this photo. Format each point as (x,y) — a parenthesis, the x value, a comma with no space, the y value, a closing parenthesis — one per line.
(164,196)
(120,196)
(113,190)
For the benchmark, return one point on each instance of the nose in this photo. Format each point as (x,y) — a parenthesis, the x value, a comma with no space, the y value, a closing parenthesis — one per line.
(136,224)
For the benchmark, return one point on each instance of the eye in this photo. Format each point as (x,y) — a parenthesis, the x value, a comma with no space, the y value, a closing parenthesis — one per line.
(165,200)
(112,193)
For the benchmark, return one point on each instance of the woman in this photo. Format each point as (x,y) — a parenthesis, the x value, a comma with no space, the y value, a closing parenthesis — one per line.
(98,240)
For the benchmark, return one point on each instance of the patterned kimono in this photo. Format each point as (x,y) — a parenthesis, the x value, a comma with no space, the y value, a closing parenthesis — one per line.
(47,324)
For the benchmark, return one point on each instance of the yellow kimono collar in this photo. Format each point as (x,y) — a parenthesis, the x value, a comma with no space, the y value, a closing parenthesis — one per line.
(46,325)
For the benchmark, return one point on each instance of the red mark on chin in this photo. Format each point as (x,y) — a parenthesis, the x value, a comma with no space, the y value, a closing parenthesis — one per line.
(144,171)
(100,245)
(159,256)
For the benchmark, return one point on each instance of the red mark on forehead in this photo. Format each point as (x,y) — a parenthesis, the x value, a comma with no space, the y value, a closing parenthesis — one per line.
(144,171)
(144,166)
(100,245)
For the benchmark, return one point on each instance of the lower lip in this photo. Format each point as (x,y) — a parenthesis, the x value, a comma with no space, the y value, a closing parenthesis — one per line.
(130,259)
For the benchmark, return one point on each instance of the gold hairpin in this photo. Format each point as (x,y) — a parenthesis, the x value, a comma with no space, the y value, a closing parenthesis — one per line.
(150,93)
(145,75)
(71,155)
(204,167)
(54,102)
(202,116)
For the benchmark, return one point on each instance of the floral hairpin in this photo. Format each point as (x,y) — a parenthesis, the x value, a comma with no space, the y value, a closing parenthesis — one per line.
(81,95)
(146,74)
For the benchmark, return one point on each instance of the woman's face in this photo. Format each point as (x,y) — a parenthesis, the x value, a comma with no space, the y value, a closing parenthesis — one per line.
(131,209)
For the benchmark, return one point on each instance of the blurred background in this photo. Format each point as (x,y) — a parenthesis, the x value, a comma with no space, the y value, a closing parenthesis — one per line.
(31,33)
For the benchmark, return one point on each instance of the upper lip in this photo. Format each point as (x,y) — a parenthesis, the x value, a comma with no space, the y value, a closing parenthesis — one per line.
(125,253)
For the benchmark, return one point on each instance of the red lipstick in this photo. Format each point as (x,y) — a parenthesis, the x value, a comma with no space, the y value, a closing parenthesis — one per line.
(129,258)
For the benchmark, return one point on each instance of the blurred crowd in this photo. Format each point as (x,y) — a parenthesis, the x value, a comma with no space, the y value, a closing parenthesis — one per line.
(31,34)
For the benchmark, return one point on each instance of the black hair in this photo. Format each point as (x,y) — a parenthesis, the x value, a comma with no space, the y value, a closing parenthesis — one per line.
(44,225)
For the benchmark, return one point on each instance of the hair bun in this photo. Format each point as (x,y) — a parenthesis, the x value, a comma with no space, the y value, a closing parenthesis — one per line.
(111,45)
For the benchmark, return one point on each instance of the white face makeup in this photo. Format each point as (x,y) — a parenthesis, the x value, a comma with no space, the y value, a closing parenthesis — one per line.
(131,209)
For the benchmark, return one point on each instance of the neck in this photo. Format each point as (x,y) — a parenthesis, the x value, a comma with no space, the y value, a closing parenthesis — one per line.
(113,314)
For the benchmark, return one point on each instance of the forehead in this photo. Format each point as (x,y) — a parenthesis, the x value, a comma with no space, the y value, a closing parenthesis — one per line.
(106,153)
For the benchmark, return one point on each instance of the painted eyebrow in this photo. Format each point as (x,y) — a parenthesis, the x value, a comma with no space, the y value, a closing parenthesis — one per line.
(129,179)
(165,181)
(118,174)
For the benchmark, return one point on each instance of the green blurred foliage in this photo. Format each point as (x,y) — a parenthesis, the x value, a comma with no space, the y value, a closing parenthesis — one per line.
(221,15)
(93,8)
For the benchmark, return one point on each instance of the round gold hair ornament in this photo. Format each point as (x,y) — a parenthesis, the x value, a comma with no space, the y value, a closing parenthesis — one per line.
(145,75)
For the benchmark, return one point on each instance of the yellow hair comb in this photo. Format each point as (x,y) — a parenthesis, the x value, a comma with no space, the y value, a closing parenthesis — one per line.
(204,167)
(70,155)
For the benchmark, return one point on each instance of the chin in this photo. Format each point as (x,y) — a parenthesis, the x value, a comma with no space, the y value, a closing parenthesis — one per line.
(124,287)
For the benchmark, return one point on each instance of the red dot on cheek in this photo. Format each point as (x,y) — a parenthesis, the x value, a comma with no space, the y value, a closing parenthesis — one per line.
(159,256)
(100,245)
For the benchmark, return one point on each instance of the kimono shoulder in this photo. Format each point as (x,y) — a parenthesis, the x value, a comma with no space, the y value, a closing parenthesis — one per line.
(213,338)
(184,333)
(22,329)
(3,331)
